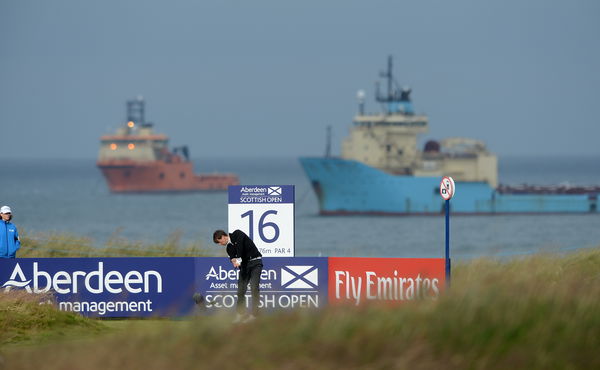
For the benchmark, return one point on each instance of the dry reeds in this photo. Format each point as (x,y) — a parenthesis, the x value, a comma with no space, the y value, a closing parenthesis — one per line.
(538,312)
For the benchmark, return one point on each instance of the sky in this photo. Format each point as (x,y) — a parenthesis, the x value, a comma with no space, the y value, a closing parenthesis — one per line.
(264,78)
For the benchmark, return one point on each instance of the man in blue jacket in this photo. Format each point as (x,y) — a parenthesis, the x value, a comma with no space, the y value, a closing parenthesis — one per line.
(9,236)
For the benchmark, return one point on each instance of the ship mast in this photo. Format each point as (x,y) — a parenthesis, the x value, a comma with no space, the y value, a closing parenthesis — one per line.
(396,100)
(389,78)
(328,143)
(135,111)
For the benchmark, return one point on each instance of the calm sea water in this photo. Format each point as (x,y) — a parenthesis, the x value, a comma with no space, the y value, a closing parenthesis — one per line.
(70,196)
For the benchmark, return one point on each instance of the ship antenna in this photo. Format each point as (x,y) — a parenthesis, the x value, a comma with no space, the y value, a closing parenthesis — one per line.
(360,96)
(328,143)
(390,79)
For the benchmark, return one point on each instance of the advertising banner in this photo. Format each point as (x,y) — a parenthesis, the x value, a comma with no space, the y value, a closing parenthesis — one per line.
(177,286)
(286,283)
(360,280)
(106,287)
(266,214)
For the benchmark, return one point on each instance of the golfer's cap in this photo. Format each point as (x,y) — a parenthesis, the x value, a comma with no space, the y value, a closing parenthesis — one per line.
(5,209)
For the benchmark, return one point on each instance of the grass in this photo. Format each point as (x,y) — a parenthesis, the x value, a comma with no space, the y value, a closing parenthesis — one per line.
(68,245)
(27,319)
(537,312)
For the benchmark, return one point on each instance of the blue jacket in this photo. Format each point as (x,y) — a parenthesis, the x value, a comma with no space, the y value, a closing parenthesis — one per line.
(9,240)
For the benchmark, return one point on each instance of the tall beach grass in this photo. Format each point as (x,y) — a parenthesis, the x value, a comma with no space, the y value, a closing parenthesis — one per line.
(70,245)
(535,312)
(27,318)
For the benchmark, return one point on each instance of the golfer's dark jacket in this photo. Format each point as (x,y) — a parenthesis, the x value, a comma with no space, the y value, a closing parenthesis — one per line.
(240,245)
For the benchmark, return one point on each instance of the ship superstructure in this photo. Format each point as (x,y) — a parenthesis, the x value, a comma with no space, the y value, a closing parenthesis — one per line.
(388,141)
(382,171)
(136,159)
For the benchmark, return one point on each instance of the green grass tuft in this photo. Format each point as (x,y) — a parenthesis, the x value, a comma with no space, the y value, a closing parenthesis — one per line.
(26,318)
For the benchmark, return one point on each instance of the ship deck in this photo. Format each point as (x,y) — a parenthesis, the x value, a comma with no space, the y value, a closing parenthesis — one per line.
(548,189)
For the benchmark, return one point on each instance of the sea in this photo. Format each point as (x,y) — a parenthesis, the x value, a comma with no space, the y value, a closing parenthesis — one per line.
(69,196)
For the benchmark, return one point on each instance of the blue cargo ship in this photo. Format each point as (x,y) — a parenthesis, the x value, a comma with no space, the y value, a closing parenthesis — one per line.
(381,171)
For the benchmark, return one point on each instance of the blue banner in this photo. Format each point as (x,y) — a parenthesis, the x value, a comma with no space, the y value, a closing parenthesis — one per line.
(261,194)
(163,286)
(286,283)
(106,287)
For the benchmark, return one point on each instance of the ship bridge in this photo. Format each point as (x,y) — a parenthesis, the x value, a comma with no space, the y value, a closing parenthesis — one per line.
(135,140)
(132,143)
(387,140)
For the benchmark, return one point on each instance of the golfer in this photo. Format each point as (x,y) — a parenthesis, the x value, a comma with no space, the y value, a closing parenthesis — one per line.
(244,255)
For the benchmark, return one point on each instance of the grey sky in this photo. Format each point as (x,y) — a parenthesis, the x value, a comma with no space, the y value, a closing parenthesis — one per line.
(269,76)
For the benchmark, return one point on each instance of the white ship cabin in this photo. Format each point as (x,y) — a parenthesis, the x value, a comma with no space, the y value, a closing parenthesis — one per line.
(389,142)
(462,158)
(133,143)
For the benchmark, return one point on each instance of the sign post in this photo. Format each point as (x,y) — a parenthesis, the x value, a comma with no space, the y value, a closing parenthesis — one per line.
(447,190)
(266,214)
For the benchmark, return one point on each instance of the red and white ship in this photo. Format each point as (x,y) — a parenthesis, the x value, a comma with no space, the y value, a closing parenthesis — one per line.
(136,160)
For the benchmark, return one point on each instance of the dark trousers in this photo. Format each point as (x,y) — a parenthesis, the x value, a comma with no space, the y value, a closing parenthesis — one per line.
(249,273)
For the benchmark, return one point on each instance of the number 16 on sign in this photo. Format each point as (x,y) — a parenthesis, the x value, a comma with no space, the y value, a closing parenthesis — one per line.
(266,214)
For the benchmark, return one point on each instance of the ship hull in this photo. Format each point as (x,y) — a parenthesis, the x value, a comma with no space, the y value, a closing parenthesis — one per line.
(127,176)
(345,187)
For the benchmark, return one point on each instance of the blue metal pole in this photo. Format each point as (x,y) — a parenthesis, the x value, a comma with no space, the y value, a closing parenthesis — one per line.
(448,242)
